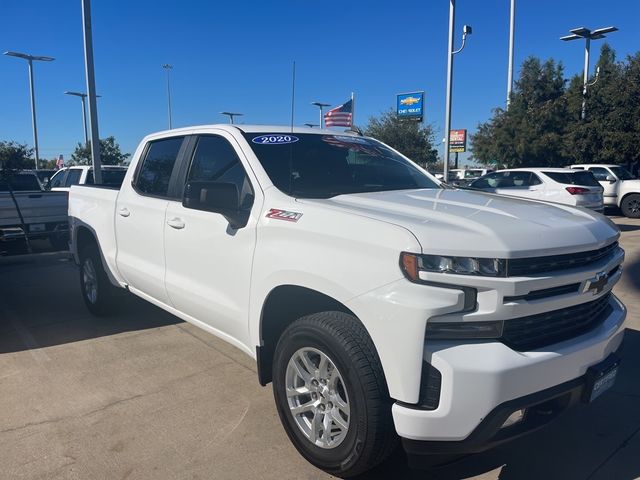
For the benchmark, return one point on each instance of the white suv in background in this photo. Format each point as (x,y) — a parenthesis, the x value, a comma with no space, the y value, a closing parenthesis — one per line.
(560,185)
(620,188)
(63,179)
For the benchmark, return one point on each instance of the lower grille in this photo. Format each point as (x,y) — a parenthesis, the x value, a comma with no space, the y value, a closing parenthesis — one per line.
(544,329)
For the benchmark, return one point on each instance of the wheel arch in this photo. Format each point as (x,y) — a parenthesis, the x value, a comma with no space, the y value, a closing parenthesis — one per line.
(283,305)
(83,235)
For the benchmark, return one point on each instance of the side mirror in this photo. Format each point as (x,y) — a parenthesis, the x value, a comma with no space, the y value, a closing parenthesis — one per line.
(610,178)
(216,197)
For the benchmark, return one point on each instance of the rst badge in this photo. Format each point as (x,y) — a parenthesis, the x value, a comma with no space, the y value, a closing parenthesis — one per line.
(283,215)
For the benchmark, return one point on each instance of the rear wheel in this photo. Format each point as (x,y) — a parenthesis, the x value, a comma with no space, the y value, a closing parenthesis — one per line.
(331,394)
(97,289)
(630,205)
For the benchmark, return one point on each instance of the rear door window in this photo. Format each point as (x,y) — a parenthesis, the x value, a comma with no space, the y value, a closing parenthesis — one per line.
(155,173)
(573,178)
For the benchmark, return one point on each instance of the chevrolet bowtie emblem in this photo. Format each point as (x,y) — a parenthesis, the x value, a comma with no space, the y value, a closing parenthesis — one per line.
(596,284)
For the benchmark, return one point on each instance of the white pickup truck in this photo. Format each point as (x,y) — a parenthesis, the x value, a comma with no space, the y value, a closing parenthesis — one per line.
(620,188)
(380,303)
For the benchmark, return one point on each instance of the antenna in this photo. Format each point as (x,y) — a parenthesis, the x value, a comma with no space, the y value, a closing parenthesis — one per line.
(293,92)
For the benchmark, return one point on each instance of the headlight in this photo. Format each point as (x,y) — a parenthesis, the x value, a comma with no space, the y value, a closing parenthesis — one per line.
(412,264)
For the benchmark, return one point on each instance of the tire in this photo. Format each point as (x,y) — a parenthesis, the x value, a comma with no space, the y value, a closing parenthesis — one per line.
(97,290)
(348,392)
(630,205)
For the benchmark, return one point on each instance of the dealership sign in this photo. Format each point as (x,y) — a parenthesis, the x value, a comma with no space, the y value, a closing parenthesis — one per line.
(410,105)
(457,141)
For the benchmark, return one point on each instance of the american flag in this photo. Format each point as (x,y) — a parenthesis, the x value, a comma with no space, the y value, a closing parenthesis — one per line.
(340,116)
(60,162)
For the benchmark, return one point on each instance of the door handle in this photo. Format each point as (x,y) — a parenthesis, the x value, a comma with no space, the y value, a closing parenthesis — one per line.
(124,212)
(176,223)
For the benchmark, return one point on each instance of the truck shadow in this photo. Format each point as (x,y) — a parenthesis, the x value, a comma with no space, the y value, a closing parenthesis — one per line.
(41,306)
(596,441)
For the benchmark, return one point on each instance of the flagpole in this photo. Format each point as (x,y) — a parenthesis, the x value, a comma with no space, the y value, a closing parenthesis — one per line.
(353,108)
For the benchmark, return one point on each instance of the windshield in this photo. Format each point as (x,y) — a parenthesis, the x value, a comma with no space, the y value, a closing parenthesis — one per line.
(622,173)
(322,166)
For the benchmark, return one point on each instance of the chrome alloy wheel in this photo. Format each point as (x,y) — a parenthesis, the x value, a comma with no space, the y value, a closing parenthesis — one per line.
(90,280)
(317,397)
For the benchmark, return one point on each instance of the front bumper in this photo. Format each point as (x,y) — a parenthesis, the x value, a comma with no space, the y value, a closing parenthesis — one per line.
(541,408)
(478,377)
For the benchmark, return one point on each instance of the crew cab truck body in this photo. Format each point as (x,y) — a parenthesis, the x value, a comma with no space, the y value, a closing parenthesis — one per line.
(620,188)
(380,303)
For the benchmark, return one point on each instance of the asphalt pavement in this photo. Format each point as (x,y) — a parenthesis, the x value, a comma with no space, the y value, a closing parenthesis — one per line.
(143,395)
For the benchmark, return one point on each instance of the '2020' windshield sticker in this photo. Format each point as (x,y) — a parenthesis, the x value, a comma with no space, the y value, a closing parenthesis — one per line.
(283,215)
(274,139)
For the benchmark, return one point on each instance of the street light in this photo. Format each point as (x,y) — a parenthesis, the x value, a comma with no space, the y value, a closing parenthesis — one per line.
(588,35)
(466,30)
(321,105)
(83,97)
(231,115)
(30,59)
(168,68)
(311,125)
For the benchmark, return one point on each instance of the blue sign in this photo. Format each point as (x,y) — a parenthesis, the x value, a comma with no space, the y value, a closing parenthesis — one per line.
(411,105)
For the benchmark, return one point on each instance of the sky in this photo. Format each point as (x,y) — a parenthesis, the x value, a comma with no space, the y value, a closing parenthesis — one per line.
(237,56)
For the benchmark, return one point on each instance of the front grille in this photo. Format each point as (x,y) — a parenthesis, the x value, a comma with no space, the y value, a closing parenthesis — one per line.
(531,266)
(543,329)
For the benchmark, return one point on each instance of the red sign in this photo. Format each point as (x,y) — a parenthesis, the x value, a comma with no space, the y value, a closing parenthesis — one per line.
(457,141)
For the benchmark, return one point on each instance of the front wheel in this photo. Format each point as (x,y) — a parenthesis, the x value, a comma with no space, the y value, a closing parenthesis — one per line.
(630,205)
(331,394)
(97,289)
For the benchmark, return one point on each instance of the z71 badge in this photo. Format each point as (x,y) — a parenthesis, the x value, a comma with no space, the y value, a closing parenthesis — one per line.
(283,215)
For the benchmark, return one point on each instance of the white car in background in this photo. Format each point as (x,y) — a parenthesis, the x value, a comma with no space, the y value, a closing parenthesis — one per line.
(620,188)
(63,179)
(559,185)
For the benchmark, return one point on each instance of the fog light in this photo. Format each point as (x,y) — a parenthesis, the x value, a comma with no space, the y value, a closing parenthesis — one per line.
(514,418)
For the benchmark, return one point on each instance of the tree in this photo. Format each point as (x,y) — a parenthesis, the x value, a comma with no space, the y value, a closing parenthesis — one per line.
(15,157)
(110,153)
(412,139)
(530,132)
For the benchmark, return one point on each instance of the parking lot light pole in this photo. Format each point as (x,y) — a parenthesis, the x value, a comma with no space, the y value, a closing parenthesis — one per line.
(30,59)
(83,97)
(321,105)
(512,31)
(231,115)
(91,91)
(311,125)
(168,68)
(587,35)
(466,30)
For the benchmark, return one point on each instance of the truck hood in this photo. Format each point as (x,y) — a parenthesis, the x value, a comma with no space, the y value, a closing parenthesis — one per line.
(468,223)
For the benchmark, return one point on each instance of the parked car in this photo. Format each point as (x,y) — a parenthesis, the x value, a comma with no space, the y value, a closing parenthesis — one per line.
(379,303)
(44,175)
(560,185)
(112,176)
(44,213)
(620,188)
(464,176)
